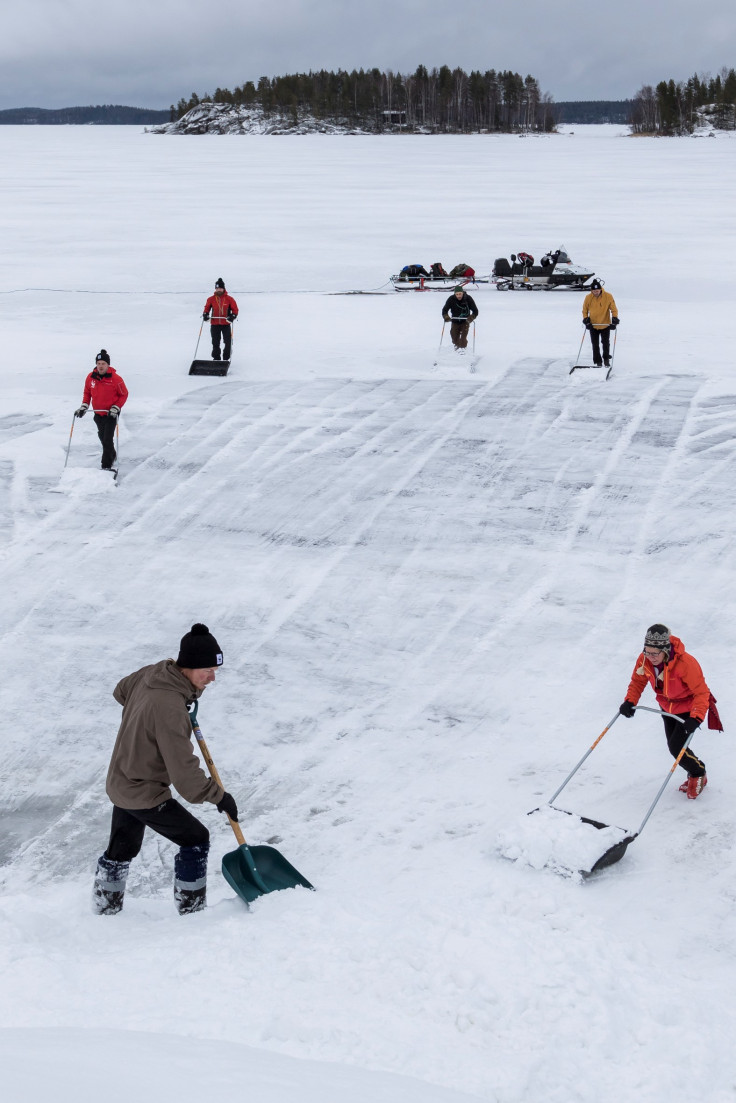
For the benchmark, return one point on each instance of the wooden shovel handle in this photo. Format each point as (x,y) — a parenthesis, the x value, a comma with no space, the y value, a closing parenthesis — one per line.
(215,775)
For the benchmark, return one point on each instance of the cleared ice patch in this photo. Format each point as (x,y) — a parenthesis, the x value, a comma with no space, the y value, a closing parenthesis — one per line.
(552,838)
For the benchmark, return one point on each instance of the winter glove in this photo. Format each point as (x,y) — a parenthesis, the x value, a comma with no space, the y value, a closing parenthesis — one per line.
(446,317)
(230,316)
(586,323)
(691,724)
(114,411)
(205,317)
(228,805)
(614,322)
(82,410)
(627,709)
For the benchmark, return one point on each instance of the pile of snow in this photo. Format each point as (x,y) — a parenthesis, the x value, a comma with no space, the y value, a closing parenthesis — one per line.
(71,1066)
(559,840)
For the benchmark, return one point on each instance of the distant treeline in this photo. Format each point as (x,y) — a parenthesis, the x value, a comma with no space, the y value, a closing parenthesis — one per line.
(440,100)
(672,107)
(107,114)
(593,111)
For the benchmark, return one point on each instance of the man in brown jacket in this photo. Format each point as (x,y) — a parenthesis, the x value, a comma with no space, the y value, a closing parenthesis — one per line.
(153,750)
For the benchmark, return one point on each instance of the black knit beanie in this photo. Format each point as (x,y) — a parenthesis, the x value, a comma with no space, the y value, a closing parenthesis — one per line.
(199,649)
(220,283)
(658,636)
(103,354)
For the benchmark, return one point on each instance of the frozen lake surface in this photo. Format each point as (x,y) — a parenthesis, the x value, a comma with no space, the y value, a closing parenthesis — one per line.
(430,587)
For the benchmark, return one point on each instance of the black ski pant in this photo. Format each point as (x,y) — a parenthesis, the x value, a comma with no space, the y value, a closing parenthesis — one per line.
(225,333)
(598,336)
(106,432)
(676,738)
(459,334)
(169,819)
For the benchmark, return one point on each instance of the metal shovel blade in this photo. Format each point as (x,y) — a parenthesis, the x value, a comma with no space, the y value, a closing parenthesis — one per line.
(253,871)
(209,367)
(609,857)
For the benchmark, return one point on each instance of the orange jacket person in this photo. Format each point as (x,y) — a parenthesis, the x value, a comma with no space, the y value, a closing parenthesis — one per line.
(224,312)
(681,690)
(106,392)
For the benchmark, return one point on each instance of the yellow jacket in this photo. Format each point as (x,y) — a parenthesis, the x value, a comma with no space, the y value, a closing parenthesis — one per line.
(600,310)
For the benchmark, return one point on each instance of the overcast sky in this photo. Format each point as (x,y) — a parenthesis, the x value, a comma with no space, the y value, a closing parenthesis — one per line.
(149,53)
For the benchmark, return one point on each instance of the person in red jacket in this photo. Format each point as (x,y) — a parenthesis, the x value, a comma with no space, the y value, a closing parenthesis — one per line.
(224,312)
(681,690)
(106,392)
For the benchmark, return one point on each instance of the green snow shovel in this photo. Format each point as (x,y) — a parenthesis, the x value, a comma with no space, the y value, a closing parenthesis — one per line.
(251,871)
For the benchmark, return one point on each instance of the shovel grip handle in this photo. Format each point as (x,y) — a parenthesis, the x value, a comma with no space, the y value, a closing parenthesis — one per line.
(215,776)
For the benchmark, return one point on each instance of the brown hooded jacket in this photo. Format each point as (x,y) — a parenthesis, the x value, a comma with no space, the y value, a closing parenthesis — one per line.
(153,749)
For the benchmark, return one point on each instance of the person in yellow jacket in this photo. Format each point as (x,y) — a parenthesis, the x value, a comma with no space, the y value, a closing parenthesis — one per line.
(600,316)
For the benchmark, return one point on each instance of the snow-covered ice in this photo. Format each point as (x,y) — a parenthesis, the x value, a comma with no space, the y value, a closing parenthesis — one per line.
(430,587)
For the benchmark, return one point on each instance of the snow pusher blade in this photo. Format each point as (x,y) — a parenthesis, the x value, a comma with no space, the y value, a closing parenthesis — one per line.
(577,849)
(251,871)
(580,858)
(209,367)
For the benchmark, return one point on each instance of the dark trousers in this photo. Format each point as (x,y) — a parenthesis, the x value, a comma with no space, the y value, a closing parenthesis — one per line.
(597,336)
(226,333)
(106,432)
(459,334)
(169,819)
(675,741)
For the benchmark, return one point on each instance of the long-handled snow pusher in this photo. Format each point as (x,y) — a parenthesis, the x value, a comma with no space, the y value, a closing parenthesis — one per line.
(594,367)
(439,347)
(251,871)
(615,852)
(68,447)
(211,367)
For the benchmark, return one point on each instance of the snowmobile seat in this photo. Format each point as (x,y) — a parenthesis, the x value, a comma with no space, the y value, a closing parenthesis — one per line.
(501,267)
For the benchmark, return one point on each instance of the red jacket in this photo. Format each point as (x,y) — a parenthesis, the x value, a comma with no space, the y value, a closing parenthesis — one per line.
(220,305)
(681,688)
(103,391)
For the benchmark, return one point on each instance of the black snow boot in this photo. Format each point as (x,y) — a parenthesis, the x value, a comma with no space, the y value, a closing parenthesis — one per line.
(109,886)
(190,879)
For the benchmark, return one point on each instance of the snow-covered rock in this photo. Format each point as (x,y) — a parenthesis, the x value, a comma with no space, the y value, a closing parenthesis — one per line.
(224,118)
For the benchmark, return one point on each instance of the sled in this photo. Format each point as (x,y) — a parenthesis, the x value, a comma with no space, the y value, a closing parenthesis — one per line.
(251,871)
(616,851)
(209,367)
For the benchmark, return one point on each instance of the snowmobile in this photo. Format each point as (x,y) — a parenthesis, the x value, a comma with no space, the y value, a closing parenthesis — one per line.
(556,271)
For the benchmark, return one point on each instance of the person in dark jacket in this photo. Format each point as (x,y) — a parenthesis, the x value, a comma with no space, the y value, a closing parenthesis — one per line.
(224,311)
(681,691)
(106,392)
(153,750)
(460,308)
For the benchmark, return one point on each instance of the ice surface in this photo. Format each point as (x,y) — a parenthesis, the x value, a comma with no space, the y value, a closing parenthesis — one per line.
(429,586)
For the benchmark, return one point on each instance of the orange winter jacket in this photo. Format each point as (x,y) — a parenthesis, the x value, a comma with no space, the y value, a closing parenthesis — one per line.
(681,687)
